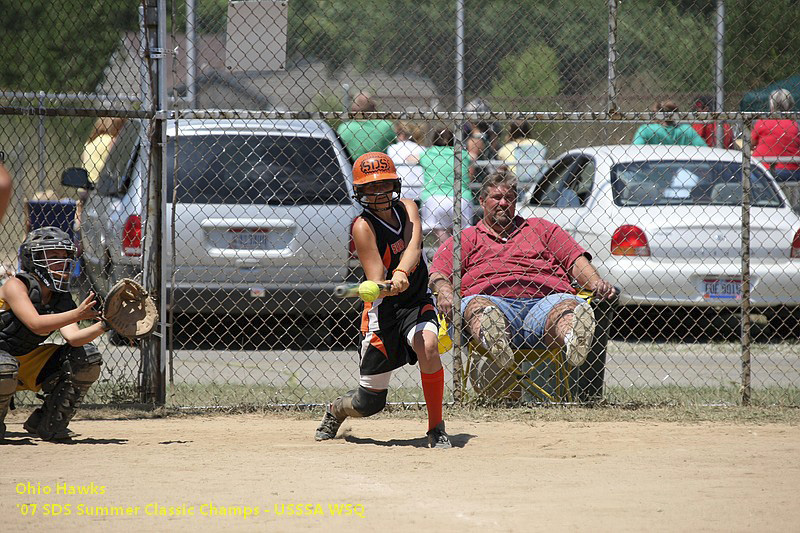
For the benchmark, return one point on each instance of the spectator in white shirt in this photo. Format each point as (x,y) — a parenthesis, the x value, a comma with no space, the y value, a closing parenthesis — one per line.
(406,153)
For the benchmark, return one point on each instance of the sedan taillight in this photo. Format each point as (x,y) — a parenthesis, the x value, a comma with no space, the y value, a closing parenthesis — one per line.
(630,240)
(795,251)
(132,236)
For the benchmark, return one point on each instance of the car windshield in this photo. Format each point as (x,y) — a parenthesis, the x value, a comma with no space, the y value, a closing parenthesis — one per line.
(689,183)
(255,169)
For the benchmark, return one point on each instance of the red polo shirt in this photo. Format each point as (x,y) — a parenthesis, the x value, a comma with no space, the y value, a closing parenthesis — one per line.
(532,263)
(773,137)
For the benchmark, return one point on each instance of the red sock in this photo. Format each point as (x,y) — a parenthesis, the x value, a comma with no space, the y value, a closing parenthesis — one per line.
(433,389)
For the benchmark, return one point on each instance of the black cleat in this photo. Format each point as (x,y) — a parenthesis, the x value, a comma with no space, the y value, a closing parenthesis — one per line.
(33,422)
(437,438)
(328,427)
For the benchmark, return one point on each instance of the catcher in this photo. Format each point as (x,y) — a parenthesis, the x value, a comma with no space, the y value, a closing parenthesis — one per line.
(33,304)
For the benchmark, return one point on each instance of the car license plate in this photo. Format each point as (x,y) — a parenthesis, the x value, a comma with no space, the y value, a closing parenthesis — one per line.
(249,239)
(258,292)
(722,289)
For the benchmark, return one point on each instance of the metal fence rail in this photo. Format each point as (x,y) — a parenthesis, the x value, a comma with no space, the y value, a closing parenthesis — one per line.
(227,182)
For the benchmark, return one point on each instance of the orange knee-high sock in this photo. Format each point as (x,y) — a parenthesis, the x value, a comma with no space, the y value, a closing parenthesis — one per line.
(433,389)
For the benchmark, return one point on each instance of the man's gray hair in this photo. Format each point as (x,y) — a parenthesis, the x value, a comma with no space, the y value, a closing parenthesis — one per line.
(502,177)
(781,100)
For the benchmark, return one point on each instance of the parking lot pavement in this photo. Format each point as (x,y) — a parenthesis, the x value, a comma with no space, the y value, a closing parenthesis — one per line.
(639,364)
(629,364)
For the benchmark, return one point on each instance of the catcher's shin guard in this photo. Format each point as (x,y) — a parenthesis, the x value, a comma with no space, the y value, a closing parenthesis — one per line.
(64,391)
(359,403)
(9,367)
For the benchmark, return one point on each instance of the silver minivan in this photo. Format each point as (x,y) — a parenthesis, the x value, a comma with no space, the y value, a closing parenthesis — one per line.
(262,212)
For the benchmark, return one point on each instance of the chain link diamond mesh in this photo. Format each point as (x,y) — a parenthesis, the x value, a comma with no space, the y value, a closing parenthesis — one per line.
(661,137)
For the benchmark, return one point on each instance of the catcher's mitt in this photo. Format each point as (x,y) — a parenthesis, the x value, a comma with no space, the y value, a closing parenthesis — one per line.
(129,310)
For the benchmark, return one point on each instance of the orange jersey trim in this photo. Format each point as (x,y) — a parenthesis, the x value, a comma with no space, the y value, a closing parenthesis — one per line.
(365,316)
(377,342)
(387,258)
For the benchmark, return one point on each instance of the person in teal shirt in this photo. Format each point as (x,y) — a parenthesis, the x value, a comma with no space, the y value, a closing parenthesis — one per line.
(667,132)
(362,136)
(438,165)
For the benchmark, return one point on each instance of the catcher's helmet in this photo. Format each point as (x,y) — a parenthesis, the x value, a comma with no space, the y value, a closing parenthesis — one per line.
(36,257)
(375,167)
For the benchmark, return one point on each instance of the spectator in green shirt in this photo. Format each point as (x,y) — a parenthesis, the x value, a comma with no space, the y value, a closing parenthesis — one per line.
(667,132)
(362,136)
(438,165)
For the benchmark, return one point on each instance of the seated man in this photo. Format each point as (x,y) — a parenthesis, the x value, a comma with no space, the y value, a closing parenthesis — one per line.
(515,276)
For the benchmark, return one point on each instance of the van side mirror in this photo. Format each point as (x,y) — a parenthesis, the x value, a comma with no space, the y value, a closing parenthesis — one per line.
(76,177)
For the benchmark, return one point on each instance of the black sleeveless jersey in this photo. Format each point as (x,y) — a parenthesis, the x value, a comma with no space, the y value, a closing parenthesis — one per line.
(391,244)
(15,337)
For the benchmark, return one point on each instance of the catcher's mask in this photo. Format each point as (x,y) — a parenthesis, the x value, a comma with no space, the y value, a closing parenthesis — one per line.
(369,170)
(49,254)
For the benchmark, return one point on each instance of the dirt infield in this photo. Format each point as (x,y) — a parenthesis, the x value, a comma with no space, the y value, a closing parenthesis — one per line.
(265,472)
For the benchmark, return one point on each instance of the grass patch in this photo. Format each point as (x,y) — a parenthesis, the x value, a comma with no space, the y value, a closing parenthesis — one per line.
(292,394)
(483,414)
(119,397)
(678,396)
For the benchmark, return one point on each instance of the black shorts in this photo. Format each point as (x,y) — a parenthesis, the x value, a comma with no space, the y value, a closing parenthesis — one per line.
(387,348)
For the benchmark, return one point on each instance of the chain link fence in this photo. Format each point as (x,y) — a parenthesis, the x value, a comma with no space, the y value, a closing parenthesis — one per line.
(218,140)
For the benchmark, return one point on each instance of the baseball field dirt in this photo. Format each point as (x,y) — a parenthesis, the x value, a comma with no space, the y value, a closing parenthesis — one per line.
(265,472)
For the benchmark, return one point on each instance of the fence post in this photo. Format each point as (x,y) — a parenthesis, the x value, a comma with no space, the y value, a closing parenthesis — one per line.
(746,368)
(719,73)
(459,55)
(611,106)
(42,149)
(458,344)
(153,371)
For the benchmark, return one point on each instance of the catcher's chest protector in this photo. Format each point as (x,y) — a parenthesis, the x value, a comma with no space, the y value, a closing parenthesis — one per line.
(15,337)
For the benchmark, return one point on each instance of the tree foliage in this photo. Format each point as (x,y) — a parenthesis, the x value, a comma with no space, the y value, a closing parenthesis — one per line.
(60,46)
(514,46)
(407,36)
(763,42)
(532,73)
(669,41)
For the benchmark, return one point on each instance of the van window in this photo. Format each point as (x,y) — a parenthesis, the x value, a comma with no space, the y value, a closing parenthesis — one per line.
(115,177)
(255,169)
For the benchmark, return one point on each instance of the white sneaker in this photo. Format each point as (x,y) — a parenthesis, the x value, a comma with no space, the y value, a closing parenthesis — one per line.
(578,341)
(493,337)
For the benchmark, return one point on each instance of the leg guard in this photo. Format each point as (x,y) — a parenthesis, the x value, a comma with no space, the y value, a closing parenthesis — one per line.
(359,403)
(85,362)
(9,366)
(64,391)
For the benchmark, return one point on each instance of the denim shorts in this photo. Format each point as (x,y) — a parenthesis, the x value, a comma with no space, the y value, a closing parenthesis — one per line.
(526,316)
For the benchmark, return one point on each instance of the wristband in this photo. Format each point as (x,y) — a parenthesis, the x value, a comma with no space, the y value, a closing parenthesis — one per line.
(400,270)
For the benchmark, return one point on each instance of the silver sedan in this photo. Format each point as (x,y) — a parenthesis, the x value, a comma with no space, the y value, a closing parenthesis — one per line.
(664,223)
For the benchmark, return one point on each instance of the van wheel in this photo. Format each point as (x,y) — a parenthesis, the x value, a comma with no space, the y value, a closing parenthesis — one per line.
(115,339)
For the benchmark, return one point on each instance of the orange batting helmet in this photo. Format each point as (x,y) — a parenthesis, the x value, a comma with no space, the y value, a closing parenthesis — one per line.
(374,167)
